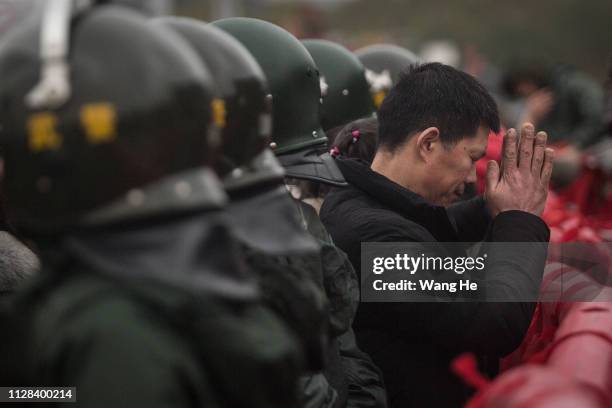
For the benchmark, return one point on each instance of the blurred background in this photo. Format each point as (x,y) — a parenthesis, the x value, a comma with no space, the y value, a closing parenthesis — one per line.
(496,32)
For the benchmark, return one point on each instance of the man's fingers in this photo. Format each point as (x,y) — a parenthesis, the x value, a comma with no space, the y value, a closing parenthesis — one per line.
(549,156)
(492,174)
(538,153)
(526,146)
(509,153)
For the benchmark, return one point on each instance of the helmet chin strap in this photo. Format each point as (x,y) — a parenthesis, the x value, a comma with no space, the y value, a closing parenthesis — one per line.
(53,88)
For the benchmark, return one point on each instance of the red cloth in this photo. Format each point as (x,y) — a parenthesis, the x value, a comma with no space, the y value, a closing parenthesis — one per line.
(533,386)
(576,371)
(581,212)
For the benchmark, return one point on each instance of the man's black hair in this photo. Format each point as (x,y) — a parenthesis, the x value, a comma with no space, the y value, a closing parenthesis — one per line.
(435,95)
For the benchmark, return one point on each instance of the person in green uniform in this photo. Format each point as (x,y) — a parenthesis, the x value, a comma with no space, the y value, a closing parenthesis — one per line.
(262,215)
(142,300)
(298,141)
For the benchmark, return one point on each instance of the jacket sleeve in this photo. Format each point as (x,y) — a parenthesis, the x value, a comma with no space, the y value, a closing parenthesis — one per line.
(364,379)
(494,325)
(470,218)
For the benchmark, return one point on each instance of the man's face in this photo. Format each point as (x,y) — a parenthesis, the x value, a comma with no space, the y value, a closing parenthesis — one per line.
(453,167)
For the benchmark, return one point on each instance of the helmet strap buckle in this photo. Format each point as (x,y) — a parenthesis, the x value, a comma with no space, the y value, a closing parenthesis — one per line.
(54,88)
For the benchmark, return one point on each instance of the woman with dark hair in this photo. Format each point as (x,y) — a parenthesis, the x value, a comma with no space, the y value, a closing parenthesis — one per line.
(561,100)
(357,140)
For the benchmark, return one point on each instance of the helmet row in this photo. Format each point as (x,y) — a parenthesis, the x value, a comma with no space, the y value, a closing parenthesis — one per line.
(106,114)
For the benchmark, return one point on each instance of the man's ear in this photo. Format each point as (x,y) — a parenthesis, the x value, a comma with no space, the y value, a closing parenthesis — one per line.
(427,142)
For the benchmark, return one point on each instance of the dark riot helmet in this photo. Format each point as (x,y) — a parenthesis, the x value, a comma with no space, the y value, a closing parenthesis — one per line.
(262,213)
(244,107)
(105,118)
(295,89)
(346,93)
(384,63)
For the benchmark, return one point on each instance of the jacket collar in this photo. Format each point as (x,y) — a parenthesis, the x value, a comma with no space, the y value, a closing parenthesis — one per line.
(195,253)
(408,204)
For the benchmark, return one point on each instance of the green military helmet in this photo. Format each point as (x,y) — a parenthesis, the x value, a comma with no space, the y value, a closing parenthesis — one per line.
(292,76)
(384,63)
(243,108)
(295,91)
(104,118)
(346,93)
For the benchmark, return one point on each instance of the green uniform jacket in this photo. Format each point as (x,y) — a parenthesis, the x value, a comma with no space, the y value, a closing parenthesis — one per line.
(153,346)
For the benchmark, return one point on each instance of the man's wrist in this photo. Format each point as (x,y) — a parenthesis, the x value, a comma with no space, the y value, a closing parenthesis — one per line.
(526,225)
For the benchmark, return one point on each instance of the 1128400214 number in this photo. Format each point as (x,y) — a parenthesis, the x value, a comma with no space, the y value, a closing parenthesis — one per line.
(33,394)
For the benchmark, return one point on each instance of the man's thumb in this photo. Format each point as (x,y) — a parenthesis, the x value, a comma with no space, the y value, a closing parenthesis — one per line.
(492,174)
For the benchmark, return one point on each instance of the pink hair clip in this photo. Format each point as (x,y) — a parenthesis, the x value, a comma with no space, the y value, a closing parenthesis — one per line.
(334,151)
(356,135)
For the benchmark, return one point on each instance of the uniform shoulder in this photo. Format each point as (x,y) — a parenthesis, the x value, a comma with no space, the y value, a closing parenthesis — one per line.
(92,333)
(94,306)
